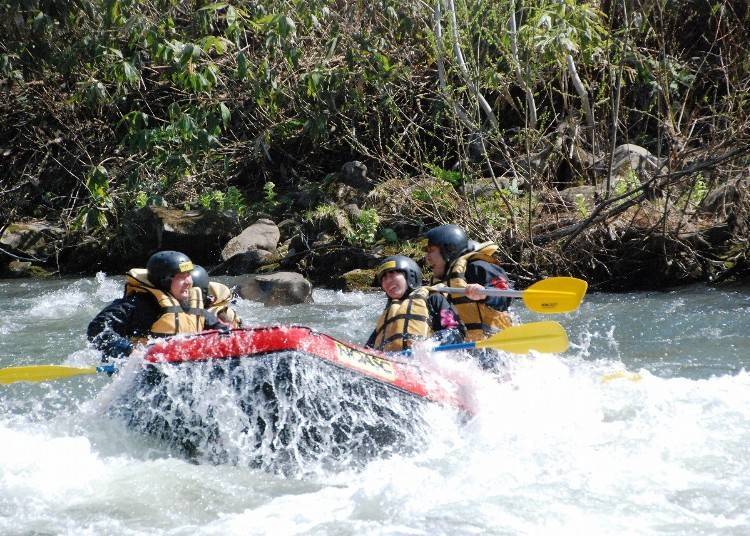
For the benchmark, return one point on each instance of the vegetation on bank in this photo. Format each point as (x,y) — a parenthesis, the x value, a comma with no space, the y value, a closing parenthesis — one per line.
(475,112)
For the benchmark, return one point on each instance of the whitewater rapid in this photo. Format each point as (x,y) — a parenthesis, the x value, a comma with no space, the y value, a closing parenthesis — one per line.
(561,447)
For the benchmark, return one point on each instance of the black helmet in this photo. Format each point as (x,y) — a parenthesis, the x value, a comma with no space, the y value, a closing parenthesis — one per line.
(200,279)
(164,265)
(451,240)
(410,269)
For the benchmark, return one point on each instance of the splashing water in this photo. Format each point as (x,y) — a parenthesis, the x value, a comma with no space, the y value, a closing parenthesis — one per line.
(556,448)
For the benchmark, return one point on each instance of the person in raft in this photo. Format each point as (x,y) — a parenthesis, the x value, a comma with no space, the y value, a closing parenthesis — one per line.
(459,262)
(412,312)
(217,297)
(159,301)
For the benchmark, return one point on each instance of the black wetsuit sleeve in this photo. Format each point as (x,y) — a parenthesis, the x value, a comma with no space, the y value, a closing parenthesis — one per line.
(487,274)
(110,330)
(371,340)
(444,320)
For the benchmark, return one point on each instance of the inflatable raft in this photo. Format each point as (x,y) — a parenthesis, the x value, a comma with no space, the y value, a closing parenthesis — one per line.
(288,399)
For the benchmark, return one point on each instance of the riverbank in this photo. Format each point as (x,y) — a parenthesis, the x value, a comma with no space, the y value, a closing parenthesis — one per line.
(592,139)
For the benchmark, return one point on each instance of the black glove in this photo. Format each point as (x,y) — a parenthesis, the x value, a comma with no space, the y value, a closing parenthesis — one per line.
(118,348)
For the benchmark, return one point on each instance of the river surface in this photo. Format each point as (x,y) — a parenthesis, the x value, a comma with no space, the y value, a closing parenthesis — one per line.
(561,447)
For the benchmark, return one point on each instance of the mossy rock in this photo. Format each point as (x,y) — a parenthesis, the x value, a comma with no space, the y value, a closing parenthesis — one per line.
(410,248)
(268,268)
(26,269)
(358,279)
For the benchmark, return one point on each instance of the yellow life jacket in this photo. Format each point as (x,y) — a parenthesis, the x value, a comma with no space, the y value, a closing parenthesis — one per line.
(402,321)
(480,320)
(221,304)
(173,319)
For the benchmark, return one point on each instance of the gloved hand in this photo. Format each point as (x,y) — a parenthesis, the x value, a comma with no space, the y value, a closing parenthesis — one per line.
(120,347)
(224,329)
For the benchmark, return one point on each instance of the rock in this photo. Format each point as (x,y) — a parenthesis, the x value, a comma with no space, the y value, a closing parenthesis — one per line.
(280,288)
(33,240)
(628,159)
(198,234)
(26,269)
(485,187)
(343,193)
(263,234)
(358,279)
(579,197)
(325,264)
(242,263)
(353,211)
(354,174)
(721,200)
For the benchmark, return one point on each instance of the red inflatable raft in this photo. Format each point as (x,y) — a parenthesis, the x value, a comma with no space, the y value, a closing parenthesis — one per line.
(283,398)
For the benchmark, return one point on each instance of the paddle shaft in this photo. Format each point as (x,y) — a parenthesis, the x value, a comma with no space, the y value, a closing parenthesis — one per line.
(457,346)
(503,292)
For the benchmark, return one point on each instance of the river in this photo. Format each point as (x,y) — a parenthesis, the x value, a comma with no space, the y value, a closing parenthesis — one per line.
(559,448)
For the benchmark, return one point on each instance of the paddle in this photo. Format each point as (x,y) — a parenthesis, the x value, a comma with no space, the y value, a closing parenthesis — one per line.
(551,295)
(549,337)
(621,375)
(43,373)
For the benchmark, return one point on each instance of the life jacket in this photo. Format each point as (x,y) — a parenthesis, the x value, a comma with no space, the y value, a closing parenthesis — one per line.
(480,320)
(173,319)
(402,321)
(221,304)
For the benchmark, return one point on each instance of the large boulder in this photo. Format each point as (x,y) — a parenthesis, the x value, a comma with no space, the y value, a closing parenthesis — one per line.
(197,233)
(26,247)
(631,163)
(32,241)
(722,200)
(354,174)
(261,235)
(280,288)
(357,279)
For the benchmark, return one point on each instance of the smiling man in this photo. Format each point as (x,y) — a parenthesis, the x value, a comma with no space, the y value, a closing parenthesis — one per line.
(159,301)
(412,312)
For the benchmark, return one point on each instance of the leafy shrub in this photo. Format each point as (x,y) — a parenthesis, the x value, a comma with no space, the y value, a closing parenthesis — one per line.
(364,228)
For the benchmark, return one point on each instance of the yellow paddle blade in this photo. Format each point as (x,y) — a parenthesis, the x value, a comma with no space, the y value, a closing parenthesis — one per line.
(621,375)
(548,337)
(555,295)
(41,373)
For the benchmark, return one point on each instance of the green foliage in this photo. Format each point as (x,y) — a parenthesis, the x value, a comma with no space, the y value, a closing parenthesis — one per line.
(696,192)
(231,199)
(389,235)
(581,207)
(269,194)
(141,199)
(364,228)
(361,231)
(440,194)
(321,212)
(699,190)
(628,182)
(454,178)
(556,28)
(93,217)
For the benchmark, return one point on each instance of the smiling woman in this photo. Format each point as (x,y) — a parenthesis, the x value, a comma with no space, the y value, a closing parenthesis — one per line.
(412,312)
